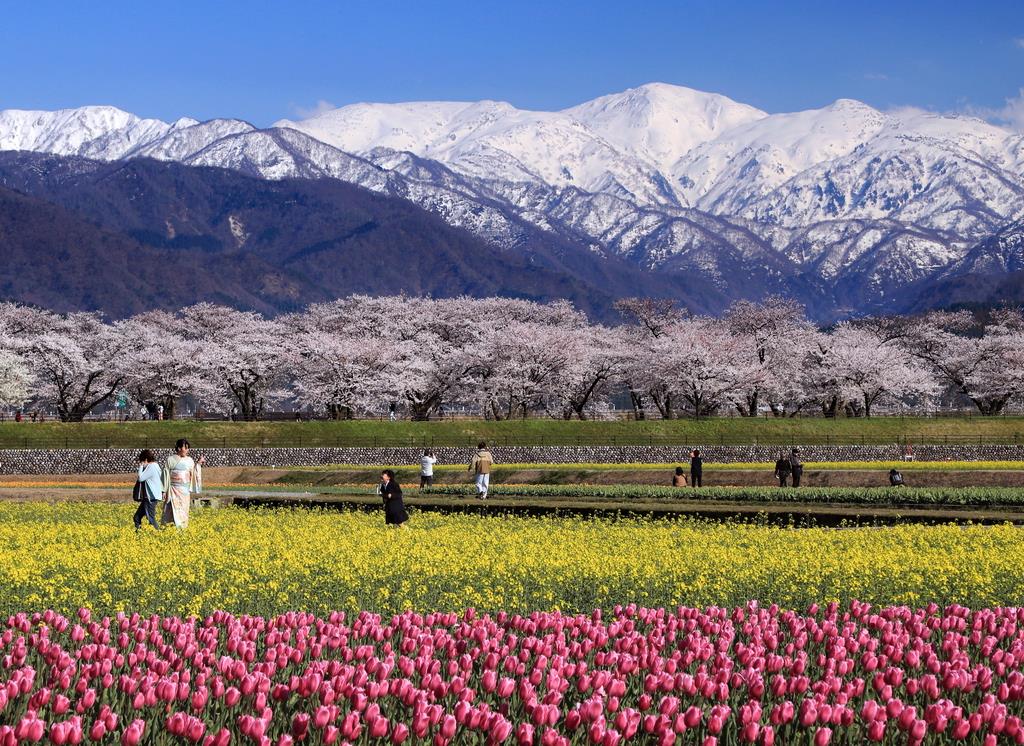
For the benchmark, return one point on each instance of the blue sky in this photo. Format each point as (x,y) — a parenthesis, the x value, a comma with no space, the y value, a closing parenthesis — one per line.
(261,61)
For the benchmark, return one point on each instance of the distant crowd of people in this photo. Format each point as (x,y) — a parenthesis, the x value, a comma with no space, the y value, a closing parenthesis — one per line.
(167,489)
(164,492)
(789,469)
(390,491)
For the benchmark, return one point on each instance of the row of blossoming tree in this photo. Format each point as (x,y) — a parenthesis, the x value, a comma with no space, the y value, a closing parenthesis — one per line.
(507,358)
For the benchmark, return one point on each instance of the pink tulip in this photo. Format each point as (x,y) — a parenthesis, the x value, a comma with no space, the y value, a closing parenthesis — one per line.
(400,733)
(524,734)
(133,733)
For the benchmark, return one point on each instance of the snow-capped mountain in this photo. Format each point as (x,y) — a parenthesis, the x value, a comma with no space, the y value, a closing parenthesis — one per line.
(845,199)
(101,132)
(494,140)
(659,124)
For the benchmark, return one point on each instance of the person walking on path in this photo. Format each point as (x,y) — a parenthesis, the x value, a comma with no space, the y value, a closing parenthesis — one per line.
(427,468)
(696,469)
(182,477)
(679,479)
(796,466)
(782,469)
(481,467)
(151,482)
(391,492)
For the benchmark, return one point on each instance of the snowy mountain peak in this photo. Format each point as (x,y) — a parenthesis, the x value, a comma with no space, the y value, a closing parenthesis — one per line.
(360,127)
(660,123)
(103,132)
(183,122)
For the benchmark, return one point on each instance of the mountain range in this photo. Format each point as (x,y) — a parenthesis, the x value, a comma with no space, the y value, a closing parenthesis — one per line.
(657,190)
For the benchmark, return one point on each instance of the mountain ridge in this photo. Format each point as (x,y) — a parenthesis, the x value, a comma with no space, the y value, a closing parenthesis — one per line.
(839,202)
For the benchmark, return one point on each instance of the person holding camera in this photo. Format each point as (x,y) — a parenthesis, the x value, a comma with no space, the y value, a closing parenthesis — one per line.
(391,493)
(148,490)
(427,468)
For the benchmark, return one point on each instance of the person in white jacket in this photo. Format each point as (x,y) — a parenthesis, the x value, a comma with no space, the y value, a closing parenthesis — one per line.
(427,468)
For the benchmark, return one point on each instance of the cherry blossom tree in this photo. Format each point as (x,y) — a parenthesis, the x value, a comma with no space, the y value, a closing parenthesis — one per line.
(247,353)
(335,360)
(649,319)
(694,367)
(868,369)
(971,363)
(77,361)
(597,360)
(517,365)
(163,365)
(15,380)
(714,370)
(776,335)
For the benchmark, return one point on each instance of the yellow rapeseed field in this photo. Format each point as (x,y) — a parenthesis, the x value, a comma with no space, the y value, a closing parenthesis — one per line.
(68,555)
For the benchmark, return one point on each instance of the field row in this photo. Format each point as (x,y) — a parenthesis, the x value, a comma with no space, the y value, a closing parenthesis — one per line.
(68,555)
(748,675)
(911,496)
(708,466)
(465,433)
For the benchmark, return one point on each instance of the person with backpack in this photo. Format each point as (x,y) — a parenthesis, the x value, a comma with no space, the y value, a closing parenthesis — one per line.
(148,490)
(796,467)
(481,467)
(896,478)
(782,469)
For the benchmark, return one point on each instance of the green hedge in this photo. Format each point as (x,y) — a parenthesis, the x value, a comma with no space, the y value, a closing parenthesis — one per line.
(907,496)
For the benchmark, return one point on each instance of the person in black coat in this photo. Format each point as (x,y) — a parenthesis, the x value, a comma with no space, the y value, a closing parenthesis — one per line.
(782,469)
(391,492)
(696,469)
(796,467)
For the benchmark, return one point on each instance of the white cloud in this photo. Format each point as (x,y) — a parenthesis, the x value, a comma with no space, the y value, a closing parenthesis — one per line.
(907,112)
(1019,42)
(305,112)
(1011,114)
(875,76)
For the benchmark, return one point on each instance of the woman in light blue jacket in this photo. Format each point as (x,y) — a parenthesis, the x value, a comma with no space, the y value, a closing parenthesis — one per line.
(152,489)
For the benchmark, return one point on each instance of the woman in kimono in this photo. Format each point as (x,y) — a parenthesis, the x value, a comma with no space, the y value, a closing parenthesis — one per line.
(182,477)
(391,493)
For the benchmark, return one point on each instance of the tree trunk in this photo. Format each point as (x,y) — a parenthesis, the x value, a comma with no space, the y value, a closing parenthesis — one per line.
(990,406)
(753,400)
(637,400)
(830,407)
(664,406)
(170,404)
(339,412)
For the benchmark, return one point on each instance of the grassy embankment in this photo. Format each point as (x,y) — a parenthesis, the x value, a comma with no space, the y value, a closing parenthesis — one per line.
(464,433)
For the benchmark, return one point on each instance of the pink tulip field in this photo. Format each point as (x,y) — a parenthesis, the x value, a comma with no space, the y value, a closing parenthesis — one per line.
(750,674)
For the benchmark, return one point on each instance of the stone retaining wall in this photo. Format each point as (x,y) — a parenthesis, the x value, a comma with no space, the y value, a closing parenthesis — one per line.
(114,460)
